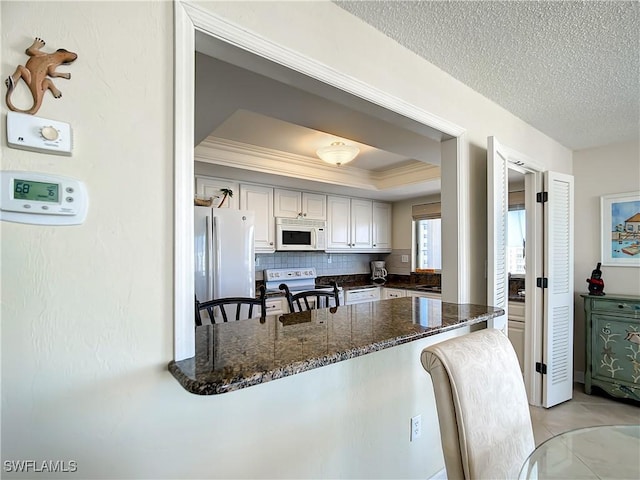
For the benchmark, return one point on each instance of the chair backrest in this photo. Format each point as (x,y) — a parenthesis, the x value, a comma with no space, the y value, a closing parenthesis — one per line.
(300,301)
(230,302)
(483,412)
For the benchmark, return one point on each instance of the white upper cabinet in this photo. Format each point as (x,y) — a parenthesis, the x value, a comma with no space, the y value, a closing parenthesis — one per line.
(338,223)
(211,187)
(361,224)
(295,204)
(349,224)
(314,206)
(354,225)
(260,199)
(382,227)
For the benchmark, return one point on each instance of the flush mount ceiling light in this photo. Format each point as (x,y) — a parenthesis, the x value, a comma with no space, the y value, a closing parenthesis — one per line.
(338,153)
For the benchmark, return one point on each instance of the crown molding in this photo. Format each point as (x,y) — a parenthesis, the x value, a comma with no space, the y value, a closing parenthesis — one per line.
(265,160)
(409,174)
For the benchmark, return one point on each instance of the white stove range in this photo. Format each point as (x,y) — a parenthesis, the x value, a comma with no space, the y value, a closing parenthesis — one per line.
(297,279)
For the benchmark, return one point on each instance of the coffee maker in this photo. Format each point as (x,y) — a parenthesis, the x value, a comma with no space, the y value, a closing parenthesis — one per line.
(378,273)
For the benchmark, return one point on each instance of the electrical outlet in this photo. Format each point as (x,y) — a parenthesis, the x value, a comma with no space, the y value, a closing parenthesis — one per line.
(329,258)
(405,259)
(416,427)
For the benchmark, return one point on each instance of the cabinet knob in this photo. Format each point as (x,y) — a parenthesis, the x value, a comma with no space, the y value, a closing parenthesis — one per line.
(621,305)
(270,243)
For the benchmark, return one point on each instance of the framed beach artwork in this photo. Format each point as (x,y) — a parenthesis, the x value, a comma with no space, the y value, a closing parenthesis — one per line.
(620,225)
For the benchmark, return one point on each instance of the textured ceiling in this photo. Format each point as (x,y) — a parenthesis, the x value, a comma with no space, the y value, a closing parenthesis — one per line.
(570,69)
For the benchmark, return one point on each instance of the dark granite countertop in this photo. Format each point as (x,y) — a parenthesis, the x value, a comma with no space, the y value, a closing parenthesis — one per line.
(235,355)
(413,286)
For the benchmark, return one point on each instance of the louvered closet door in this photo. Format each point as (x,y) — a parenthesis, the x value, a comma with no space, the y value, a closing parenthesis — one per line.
(497,209)
(558,297)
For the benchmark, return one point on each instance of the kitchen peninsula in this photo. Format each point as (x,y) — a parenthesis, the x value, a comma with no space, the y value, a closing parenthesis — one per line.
(236,355)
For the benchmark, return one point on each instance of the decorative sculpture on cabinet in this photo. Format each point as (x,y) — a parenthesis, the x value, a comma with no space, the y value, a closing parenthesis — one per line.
(596,283)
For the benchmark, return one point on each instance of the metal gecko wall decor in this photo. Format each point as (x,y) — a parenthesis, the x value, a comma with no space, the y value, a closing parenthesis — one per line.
(36,73)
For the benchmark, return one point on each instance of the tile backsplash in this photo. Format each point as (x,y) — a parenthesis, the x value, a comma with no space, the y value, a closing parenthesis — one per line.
(324,263)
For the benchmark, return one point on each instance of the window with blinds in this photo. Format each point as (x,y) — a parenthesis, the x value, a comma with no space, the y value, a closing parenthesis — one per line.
(428,238)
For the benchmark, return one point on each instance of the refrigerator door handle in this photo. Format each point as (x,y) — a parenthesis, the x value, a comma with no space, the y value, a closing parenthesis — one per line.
(209,247)
(215,272)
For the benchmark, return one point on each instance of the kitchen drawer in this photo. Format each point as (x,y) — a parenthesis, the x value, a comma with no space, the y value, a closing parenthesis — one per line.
(277,306)
(619,305)
(516,311)
(361,295)
(393,293)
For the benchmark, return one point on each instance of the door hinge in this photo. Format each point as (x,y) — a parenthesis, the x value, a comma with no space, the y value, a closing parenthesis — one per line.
(541,368)
(542,282)
(542,197)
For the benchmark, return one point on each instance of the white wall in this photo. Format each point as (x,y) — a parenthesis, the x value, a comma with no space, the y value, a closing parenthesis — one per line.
(86,310)
(600,171)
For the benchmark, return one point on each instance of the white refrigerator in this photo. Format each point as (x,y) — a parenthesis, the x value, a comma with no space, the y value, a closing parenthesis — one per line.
(224,253)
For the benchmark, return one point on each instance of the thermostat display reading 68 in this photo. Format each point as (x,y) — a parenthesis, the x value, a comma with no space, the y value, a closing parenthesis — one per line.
(42,199)
(40,191)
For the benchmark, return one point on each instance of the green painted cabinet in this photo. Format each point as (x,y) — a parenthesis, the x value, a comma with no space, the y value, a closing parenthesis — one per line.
(613,345)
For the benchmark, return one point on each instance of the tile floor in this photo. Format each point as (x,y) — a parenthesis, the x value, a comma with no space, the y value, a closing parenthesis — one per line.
(582,411)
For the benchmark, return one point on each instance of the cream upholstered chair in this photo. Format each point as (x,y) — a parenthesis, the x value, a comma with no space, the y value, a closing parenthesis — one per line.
(483,412)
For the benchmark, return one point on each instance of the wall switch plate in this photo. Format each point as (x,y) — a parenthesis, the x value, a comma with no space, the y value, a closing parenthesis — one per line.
(405,259)
(416,427)
(36,134)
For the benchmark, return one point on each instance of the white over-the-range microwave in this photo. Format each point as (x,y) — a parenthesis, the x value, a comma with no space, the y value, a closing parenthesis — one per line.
(300,234)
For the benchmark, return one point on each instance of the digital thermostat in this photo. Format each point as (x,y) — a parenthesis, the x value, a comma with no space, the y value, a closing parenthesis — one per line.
(42,199)
(37,134)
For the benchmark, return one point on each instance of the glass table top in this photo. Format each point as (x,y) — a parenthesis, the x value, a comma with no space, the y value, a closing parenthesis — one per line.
(611,451)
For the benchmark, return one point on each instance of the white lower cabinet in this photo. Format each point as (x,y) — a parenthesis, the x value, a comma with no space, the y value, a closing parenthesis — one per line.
(260,199)
(516,330)
(393,293)
(419,293)
(277,306)
(361,295)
